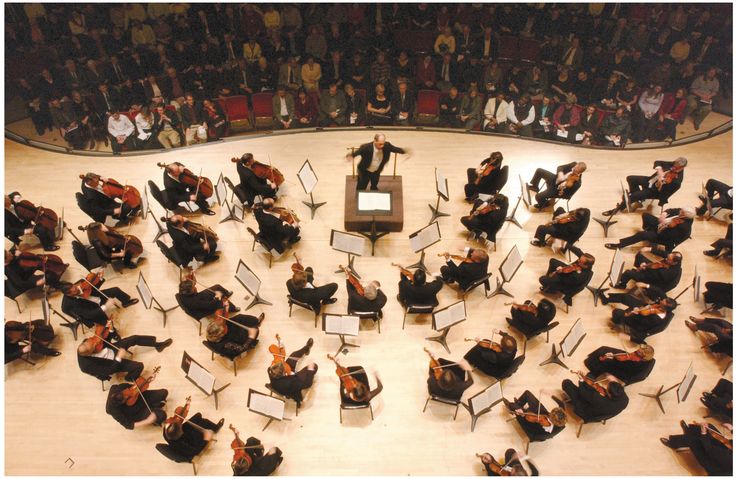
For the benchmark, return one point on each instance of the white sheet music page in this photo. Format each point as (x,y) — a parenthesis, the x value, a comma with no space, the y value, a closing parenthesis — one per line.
(307,177)
(201,377)
(251,281)
(144,292)
(348,243)
(270,406)
(512,262)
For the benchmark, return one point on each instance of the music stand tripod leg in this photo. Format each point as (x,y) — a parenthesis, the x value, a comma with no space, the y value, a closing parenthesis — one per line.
(657,396)
(500,290)
(554,358)
(344,345)
(373,236)
(512,217)
(270,420)
(163,310)
(606,224)
(74,326)
(420,264)
(598,292)
(442,338)
(436,213)
(258,300)
(312,205)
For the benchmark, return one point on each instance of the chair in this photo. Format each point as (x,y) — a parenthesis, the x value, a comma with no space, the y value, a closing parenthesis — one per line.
(639,336)
(86,256)
(416,309)
(84,206)
(262,110)
(160,196)
(13,293)
(536,333)
(428,107)
(257,238)
(233,358)
(514,366)
(480,281)
(188,312)
(567,298)
(349,406)
(600,419)
(673,283)
(167,451)
(293,301)
(508,48)
(238,112)
(459,372)
(272,392)
(239,192)
(170,254)
(376,317)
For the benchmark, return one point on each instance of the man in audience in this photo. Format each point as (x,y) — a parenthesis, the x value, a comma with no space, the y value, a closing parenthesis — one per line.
(700,99)
(122,132)
(332,107)
(282,104)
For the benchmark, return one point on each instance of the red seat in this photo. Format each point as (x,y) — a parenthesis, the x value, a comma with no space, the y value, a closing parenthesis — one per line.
(314,94)
(428,106)
(508,48)
(602,114)
(529,49)
(262,109)
(236,108)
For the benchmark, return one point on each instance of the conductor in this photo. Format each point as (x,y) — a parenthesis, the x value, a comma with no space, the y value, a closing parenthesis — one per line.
(373,157)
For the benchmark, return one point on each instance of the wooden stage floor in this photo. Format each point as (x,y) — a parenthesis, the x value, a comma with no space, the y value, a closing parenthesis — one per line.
(53,406)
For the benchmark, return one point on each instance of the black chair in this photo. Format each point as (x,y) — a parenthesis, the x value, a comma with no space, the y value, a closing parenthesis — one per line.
(416,309)
(86,256)
(238,191)
(231,357)
(188,313)
(167,451)
(567,298)
(640,336)
(480,281)
(273,392)
(514,366)
(84,206)
(170,254)
(349,406)
(12,293)
(601,419)
(376,317)
(673,283)
(503,177)
(293,301)
(160,196)
(459,372)
(101,377)
(257,238)
(534,334)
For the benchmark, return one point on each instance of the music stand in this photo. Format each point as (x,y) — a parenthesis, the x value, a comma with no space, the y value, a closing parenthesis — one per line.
(374,203)
(308,179)
(351,244)
(695,284)
(568,345)
(145,209)
(229,213)
(423,239)
(444,319)
(266,406)
(251,283)
(341,325)
(200,377)
(48,310)
(613,276)
(483,402)
(608,222)
(59,231)
(683,389)
(442,193)
(148,299)
(526,195)
(508,269)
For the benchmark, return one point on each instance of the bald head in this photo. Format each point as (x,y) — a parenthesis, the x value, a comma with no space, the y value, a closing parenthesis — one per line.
(379,140)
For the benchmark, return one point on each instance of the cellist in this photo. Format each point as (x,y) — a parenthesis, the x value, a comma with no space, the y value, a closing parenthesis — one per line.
(16,226)
(192,240)
(230,335)
(179,192)
(256,179)
(100,205)
(25,270)
(189,436)
(29,337)
(111,245)
(135,405)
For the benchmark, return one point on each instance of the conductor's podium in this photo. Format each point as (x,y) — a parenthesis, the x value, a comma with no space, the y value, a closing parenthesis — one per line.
(392,223)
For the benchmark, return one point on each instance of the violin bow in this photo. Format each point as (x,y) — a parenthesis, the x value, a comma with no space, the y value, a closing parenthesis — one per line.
(96,288)
(199,182)
(230,321)
(140,393)
(111,345)
(270,166)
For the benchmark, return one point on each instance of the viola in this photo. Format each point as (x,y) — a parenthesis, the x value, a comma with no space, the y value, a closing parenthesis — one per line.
(590,382)
(649,310)
(354,281)
(528,308)
(621,357)
(180,413)
(564,219)
(434,365)
(405,271)
(540,419)
(297,265)
(485,170)
(221,316)
(674,222)
(112,239)
(129,195)
(572,268)
(279,355)
(486,343)
(240,449)
(349,383)
(287,215)
(52,265)
(98,340)
(44,217)
(456,257)
(130,395)
(202,184)
(83,288)
(658,265)
(266,172)
(571,180)
(483,210)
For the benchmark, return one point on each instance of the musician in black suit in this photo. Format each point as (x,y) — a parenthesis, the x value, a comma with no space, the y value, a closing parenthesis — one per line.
(714,456)
(512,461)
(665,181)
(16,227)
(565,226)
(279,234)
(199,304)
(530,318)
(260,464)
(566,279)
(98,307)
(723,245)
(661,274)
(670,229)
(371,301)
(416,291)
(487,216)
(179,192)
(19,340)
(21,279)
(649,295)
(373,158)
(720,328)
(557,184)
(292,384)
(493,358)
(447,385)
(720,195)
(139,414)
(100,206)
(628,367)
(191,245)
(471,268)
(544,425)
(719,294)
(486,178)
(190,435)
(642,319)
(252,184)
(113,356)
(589,404)
(301,287)
(720,399)
(231,340)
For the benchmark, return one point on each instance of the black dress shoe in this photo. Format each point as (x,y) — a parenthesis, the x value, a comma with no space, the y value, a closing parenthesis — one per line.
(130,303)
(666,442)
(209,212)
(261,317)
(130,265)
(711,252)
(219,424)
(310,343)
(163,345)
(330,301)
(52,248)
(604,299)
(612,245)
(53,352)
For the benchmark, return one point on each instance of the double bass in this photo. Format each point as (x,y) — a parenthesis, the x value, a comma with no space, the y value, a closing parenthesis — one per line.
(112,239)
(202,184)
(129,195)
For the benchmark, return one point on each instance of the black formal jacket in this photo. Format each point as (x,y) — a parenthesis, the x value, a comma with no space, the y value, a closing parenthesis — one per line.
(191,441)
(490,183)
(200,304)
(176,190)
(186,246)
(527,322)
(458,389)
(426,294)
(312,296)
(13,350)
(20,279)
(366,156)
(593,405)
(98,367)
(408,105)
(291,385)
(489,361)
(252,184)
(491,222)
(272,228)
(14,226)
(99,203)
(361,304)
(627,371)
(671,237)
(661,277)
(668,189)
(469,272)
(87,311)
(567,168)
(126,415)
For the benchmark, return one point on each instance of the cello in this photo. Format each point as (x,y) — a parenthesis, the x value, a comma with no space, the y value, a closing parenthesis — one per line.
(202,184)
(128,244)
(51,265)
(129,195)
(46,218)
(266,172)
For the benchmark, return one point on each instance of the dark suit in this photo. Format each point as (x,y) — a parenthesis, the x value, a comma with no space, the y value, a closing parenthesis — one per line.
(627,371)
(355,104)
(723,331)
(591,406)
(189,247)
(456,392)
(569,232)
(407,105)
(203,303)
(366,157)
(489,184)
(527,322)
(103,368)
(663,278)
(236,341)
(361,304)
(19,278)
(15,228)
(488,223)
(126,415)
(89,311)
(719,293)
(639,188)
(669,237)
(292,385)
(263,464)
(179,192)
(534,431)
(714,457)
(312,296)
(465,273)
(191,441)
(718,399)
(277,234)
(426,294)
(566,283)
(489,361)
(253,185)
(545,196)
(101,206)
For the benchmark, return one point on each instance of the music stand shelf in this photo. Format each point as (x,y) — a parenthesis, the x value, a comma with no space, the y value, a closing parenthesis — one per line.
(201,374)
(308,179)
(444,319)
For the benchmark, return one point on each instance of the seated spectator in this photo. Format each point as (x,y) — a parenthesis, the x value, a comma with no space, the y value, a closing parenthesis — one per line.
(132,96)
(403,106)
(494,114)
(37,108)
(215,119)
(263,75)
(335,70)
(290,75)
(445,42)
(566,120)
(282,105)
(700,99)
(192,118)
(381,70)
(544,114)
(492,79)
(311,74)
(470,110)
(355,109)
(426,76)
(583,87)
(447,73)
(332,107)
(515,82)
(588,127)
(403,68)
(627,96)
(305,110)
(63,118)
(144,123)
(671,113)
(561,86)
(520,115)
(680,50)
(450,110)
(471,73)
(122,132)
(615,129)
(243,80)
(358,72)
(315,44)
(536,83)
(379,108)
(646,116)
(252,50)
(606,95)
(166,127)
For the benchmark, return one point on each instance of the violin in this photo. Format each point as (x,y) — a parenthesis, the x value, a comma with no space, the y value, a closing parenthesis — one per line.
(526,307)
(129,195)
(286,214)
(83,287)
(50,264)
(717,435)
(456,257)
(130,395)
(297,265)
(571,180)
(180,413)
(667,177)
(540,419)
(239,449)
(483,210)
(674,222)
(572,268)
(590,382)
(201,183)
(485,170)
(100,338)
(265,172)
(279,355)
(664,264)
(43,217)
(434,365)
(486,343)
(349,383)
(112,239)
(496,467)
(564,219)
(354,281)
(405,271)
(649,310)
(621,357)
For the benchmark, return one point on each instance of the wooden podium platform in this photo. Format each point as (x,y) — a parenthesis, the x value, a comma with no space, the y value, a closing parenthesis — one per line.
(393,223)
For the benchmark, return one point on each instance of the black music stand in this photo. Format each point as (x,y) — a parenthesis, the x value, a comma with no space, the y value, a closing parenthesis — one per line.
(252,283)
(568,345)
(199,374)
(308,179)
(618,264)
(442,193)
(423,239)
(341,330)
(487,398)
(348,243)
(512,262)
(148,299)
(450,316)
(684,387)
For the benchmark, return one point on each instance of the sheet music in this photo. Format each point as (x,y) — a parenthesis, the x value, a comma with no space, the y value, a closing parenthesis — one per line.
(684,388)
(511,264)
(144,203)
(441,184)
(526,194)
(348,243)
(425,237)
(696,287)
(46,309)
(448,316)
(144,291)
(247,278)
(266,405)
(617,267)
(339,324)
(201,377)
(307,177)
(486,398)
(221,190)
(571,340)
(374,201)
